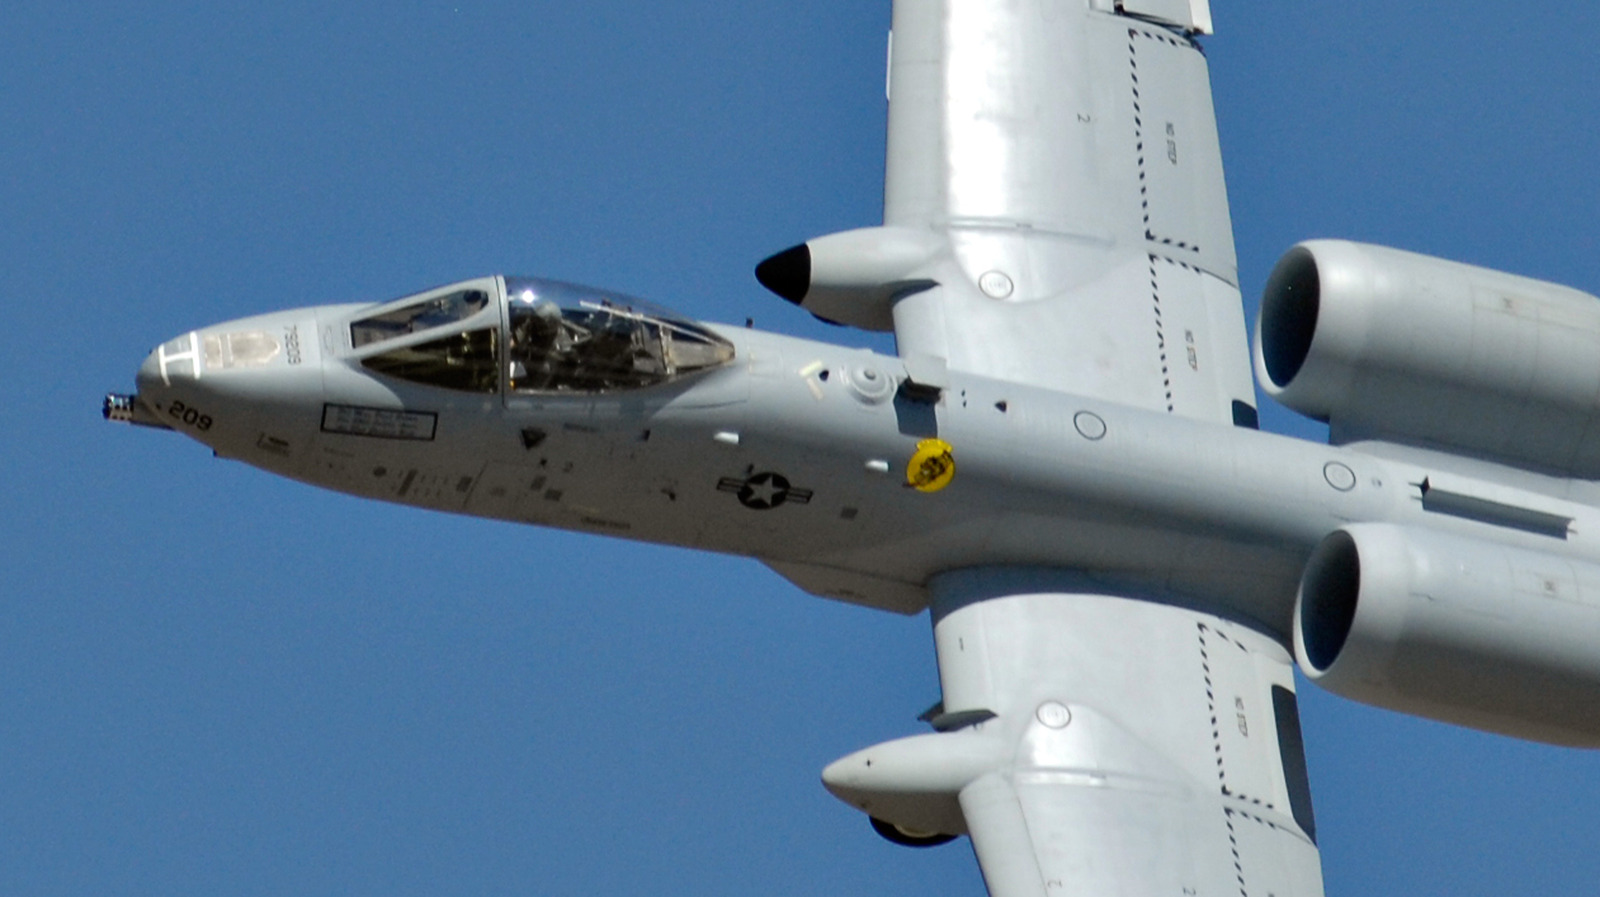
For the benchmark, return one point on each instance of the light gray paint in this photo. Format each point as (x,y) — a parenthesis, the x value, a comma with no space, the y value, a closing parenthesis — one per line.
(1112,572)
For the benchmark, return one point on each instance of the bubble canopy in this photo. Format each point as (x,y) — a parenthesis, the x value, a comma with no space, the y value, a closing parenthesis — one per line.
(529,335)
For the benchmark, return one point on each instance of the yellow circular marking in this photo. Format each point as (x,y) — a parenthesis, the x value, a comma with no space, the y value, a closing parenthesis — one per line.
(932,466)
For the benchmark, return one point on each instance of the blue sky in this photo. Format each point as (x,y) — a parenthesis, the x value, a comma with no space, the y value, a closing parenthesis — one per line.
(215,681)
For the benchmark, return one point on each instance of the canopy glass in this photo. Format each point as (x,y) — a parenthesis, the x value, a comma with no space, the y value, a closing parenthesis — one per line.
(557,338)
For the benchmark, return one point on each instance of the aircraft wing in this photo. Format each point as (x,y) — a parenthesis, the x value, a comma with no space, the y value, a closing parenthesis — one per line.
(1145,749)
(1064,157)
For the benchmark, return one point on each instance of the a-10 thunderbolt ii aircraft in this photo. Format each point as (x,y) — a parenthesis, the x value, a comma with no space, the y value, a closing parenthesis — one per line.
(1061,465)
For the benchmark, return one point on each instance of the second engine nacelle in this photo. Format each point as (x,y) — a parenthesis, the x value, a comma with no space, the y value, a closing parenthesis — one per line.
(1391,345)
(1483,635)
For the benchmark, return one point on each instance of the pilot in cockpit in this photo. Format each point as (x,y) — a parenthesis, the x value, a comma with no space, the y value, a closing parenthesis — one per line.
(559,338)
(538,344)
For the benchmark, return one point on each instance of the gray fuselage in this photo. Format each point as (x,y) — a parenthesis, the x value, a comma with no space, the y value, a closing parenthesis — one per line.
(796,453)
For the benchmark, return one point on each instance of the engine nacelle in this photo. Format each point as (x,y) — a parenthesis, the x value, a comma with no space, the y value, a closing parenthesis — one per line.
(854,277)
(1385,344)
(1483,635)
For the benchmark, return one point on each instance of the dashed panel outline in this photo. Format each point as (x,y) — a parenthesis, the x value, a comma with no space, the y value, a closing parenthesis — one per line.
(1161,336)
(1211,705)
(1166,38)
(1228,812)
(1134,34)
(1138,133)
(1233,844)
(1232,811)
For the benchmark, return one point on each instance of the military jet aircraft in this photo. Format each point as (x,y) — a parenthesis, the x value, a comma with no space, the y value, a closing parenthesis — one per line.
(1061,464)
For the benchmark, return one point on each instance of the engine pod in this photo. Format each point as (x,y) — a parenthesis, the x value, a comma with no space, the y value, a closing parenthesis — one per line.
(1391,345)
(1459,630)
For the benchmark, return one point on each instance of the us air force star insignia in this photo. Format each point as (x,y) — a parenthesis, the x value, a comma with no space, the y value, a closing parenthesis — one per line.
(763,491)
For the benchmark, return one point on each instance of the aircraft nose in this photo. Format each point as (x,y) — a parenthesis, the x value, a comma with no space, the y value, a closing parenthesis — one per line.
(177,358)
(149,371)
(150,396)
(248,388)
(234,357)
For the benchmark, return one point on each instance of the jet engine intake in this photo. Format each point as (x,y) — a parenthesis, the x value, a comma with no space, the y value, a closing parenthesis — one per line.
(1391,345)
(1464,631)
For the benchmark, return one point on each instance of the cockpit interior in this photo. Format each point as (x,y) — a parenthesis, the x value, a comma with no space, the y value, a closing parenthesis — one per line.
(527,335)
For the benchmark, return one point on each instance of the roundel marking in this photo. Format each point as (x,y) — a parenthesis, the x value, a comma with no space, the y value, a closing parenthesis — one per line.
(764,491)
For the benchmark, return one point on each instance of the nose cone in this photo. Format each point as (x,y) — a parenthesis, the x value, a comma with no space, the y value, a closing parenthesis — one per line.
(149,375)
(235,357)
(169,368)
(177,358)
(229,384)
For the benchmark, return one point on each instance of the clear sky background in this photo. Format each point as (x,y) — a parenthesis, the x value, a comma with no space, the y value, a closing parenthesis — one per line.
(213,681)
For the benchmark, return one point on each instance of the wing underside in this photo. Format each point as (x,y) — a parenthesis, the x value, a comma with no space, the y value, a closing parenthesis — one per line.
(1056,166)
(1150,749)
(1066,157)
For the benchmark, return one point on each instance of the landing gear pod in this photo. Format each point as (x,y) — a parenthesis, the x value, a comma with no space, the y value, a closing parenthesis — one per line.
(855,276)
(910,787)
(907,837)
